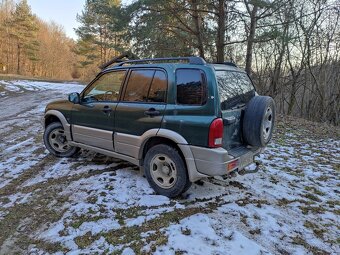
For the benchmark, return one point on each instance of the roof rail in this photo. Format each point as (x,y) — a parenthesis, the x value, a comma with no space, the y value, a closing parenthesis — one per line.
(119,59)
(230,64)
(191,60)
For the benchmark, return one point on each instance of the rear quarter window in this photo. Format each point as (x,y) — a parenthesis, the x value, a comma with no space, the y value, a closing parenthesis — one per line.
(191,87)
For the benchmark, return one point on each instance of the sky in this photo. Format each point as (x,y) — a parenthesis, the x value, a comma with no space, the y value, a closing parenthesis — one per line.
(63,12)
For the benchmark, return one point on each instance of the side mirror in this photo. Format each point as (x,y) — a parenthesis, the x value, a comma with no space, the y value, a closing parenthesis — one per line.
(74,98)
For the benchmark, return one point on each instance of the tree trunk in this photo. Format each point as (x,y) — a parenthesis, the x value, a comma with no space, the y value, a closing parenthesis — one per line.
(18,60)
(198,26)
(220,43)
(251,37)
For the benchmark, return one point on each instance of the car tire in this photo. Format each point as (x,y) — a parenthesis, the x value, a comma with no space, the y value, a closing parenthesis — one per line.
(56,143)
(258,121)
(165,171)
(187,186)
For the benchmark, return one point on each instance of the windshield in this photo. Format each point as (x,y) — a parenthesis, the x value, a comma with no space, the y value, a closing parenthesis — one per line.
(234,88)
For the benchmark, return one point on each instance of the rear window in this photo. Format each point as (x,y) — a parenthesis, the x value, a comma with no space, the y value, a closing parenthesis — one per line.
(234,88)
(191,87)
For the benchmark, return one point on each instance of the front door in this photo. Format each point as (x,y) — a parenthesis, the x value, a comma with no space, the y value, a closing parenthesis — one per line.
(92,119)
(141,108)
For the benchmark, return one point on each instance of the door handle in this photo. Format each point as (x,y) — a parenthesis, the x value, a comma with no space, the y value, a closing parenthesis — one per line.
(152,112)
(107,109)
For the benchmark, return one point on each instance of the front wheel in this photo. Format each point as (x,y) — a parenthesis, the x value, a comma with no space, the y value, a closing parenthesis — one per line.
(56,143)
(165,171)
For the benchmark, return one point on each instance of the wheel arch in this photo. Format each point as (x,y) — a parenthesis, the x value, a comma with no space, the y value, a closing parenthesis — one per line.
(177,141)
(50,119)
(155,140)
(56,116)
(162,135)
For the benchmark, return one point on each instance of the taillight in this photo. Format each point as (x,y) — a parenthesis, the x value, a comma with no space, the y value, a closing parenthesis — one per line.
(216,133)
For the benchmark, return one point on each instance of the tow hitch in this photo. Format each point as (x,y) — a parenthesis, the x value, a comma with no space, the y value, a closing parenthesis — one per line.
(245,171)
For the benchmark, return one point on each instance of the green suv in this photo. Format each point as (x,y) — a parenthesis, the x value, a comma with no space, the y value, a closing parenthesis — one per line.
(178,119)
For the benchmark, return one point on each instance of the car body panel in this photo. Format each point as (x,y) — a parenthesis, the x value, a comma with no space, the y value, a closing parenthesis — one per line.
(130,117)
(63,106)
(92,115)
(191,121)
(232,136)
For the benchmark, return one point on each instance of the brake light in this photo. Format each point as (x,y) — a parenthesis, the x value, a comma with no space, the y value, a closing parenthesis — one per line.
(216,133)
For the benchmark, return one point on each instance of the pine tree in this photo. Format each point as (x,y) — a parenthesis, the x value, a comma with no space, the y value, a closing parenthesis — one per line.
(157,31)
(23,30)
(100,31)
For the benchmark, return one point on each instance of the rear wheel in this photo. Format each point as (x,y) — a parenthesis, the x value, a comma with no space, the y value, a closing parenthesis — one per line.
(165,171)
(56,142)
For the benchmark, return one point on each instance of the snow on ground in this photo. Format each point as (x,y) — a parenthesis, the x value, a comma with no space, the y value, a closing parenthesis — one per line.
(93,204)
(22,86)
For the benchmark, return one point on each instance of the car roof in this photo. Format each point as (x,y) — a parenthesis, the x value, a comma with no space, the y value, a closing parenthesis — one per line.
(165,65)
(227,67)
(171,65)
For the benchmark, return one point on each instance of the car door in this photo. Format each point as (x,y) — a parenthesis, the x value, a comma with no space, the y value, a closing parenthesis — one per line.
(141,108)
(235,91)
(92,119)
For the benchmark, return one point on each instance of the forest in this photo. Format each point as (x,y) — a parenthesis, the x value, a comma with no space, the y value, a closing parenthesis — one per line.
(31,47)
(290,48)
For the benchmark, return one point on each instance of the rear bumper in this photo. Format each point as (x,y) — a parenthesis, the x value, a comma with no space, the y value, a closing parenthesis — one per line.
(214,162)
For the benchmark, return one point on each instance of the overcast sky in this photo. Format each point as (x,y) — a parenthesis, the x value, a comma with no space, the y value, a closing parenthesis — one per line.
(63,12)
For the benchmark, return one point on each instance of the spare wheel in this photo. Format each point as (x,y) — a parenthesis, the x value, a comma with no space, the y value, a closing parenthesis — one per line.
(258,121)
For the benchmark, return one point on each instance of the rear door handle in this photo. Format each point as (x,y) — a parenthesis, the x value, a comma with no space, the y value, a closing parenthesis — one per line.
(107,109)
(152,112)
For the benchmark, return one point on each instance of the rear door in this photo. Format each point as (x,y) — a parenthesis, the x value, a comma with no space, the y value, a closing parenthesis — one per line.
(235,91)
(92,119)
(143,103)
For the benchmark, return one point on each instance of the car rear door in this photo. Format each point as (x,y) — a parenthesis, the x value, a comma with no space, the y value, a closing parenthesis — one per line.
(235,91)
(141,108)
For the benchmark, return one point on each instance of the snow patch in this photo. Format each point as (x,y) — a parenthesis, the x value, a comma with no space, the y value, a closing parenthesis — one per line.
(196,235)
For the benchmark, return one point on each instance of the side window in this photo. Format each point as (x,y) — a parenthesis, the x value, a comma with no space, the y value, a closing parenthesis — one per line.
(138,85)
(105,88)
(191,87)
(158,88)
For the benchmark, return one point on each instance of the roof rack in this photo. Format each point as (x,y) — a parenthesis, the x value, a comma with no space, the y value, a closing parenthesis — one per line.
(119,59)
(191,60)
(228,63)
